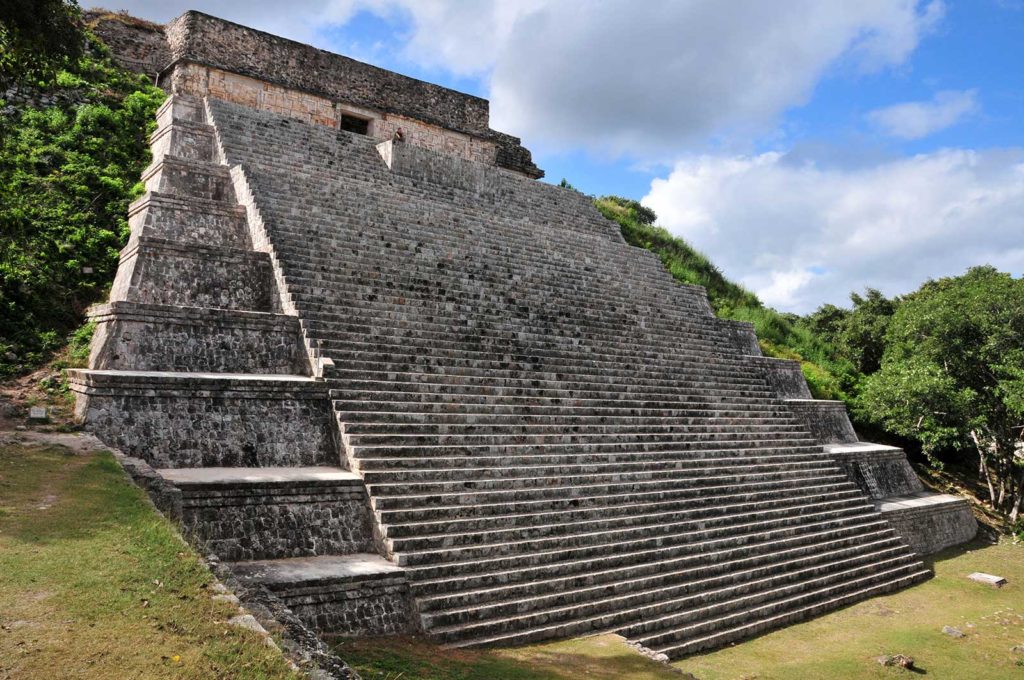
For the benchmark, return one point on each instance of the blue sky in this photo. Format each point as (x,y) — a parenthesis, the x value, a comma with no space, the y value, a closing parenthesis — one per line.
(809,147)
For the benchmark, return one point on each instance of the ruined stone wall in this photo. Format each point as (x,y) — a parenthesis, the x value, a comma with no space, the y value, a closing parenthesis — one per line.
(201,55)
(134,44)
(199,38)
(201,81)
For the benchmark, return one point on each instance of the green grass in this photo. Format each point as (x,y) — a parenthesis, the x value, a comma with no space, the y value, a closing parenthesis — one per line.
(845,644)
(95,584)
(602,657)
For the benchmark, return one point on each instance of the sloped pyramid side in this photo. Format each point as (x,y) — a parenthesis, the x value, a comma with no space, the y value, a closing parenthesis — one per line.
(557,437)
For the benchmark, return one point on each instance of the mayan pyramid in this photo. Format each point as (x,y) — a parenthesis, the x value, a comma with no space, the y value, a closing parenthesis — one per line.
(387,374)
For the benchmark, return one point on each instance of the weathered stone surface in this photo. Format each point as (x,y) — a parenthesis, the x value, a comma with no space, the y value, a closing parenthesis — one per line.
(187,220)
(784,377)
(827,420)
(197,420)
(350,595)
(144,337)
(154,271)
(988,579)
(929,522)
(272,513)
(880,471)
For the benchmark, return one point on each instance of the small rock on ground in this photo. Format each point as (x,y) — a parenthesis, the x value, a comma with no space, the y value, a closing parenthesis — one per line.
(952,632)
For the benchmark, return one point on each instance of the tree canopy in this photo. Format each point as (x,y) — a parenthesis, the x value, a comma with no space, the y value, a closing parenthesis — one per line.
(952,375)
(37,38)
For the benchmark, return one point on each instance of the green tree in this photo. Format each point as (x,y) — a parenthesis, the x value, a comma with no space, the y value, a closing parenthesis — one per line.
(37,37)
(952,376)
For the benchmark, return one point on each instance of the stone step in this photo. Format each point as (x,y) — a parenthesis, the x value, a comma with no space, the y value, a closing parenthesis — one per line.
(547,358)
(627,511)
(358,411)
(603,500)
(209,419)
(464,481)
(439,581)
(459,559)
(187,178)
(377,370)
(541,390)
(568,468)
(416,423)
(671,447)
(740,625)
(842,581)
(271,513)
(644,525)
(152,337)
(474,591)
(358,594)
(634,599)
(603,435)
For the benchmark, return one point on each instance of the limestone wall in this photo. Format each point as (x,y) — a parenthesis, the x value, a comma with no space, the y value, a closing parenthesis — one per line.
(201,55)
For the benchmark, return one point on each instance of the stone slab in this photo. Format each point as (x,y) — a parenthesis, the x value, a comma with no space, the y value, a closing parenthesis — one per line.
(235,475)
(300,570)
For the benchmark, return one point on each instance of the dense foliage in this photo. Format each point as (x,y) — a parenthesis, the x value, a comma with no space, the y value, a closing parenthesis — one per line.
(829,375)
(70,157)
(37,38)
(952,376)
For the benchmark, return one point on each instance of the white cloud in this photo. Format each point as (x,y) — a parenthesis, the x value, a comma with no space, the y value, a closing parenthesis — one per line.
(800,234)
(914,120)
(648,79)
(651,79)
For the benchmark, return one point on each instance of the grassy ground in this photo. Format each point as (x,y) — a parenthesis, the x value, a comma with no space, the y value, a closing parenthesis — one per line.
(94,584)
(845,644)
(603,657)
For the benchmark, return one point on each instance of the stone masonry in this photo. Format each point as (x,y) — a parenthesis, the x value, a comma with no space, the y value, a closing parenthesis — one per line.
(403,386)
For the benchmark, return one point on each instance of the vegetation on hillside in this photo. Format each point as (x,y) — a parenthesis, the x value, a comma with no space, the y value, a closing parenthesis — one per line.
(37,38)
(73,143)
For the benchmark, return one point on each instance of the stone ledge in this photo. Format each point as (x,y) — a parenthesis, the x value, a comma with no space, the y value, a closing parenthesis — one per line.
(193,251)
(190,385)
(232,476)
(325,569)
(174,314)
(192,204)
(929,522)
(826,419)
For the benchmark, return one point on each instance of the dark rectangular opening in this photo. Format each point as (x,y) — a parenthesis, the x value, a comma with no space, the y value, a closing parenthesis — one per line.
(360,126)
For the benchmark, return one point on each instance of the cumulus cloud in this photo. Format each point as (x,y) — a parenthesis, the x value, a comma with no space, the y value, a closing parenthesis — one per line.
(647,79)
(651,78)
(801,234)
(914,120)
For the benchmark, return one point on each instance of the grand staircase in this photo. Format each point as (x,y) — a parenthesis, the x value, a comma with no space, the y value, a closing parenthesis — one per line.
(556,437)
(404,390)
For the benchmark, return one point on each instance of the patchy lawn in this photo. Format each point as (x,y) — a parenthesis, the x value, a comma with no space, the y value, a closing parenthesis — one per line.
(845,644)
(95,584)
(602,657)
